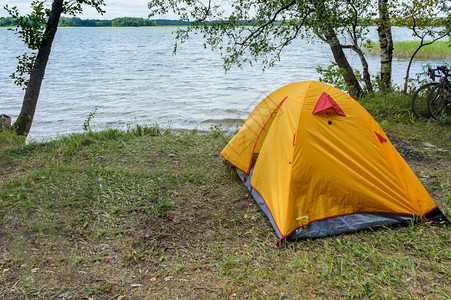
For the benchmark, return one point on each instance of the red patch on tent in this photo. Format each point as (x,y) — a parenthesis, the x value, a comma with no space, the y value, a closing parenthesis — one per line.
(325,102)
(380,137)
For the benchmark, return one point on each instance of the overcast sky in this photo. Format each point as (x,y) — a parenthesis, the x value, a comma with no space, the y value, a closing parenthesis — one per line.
(113,8)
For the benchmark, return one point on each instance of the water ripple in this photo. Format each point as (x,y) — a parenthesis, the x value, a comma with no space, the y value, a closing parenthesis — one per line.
(131,76)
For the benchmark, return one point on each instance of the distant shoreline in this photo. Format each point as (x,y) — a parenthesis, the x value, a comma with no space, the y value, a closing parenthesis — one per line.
(116,22)
(120,22)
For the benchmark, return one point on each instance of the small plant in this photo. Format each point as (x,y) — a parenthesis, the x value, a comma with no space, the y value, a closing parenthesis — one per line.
(421,78)
(333,75)
(216,130)
(154,130)
(77,260)
(444,120)
(114,210)
(168,130)
(415,137)
(87,122)
(178,267)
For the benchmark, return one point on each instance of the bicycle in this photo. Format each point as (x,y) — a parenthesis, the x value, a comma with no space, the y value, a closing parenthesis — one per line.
(439,100)
(420,98)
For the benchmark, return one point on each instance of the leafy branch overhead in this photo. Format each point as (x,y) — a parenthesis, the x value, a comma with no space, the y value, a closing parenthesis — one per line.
(251,32)
(31,29)
(247,32)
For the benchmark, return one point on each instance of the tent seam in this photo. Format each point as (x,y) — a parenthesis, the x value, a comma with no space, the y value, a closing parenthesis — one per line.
(261,130)
(272,215)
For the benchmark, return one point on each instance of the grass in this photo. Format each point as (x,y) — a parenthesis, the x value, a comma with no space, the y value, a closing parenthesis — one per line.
(405,49)
(153,214)
(8,138)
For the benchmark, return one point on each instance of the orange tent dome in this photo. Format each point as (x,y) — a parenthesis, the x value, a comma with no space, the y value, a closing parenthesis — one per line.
(318,164)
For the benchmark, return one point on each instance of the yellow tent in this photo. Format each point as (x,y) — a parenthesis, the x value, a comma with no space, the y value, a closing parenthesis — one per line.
(318,164)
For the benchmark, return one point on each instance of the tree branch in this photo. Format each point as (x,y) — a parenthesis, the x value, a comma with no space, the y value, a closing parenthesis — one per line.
(260,29)
(354,24)
(288,41)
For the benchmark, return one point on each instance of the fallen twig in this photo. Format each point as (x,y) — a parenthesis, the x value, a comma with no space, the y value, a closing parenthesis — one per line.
(15,284)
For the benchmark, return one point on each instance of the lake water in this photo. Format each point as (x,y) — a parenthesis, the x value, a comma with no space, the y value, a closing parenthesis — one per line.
(131,77)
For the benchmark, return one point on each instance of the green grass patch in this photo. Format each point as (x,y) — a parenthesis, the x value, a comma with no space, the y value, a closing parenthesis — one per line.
(395,107)
(8,138)
(154,214)
(394,113)
(405,49)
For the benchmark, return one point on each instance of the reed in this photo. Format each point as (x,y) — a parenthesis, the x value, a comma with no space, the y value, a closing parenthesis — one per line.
(405,49)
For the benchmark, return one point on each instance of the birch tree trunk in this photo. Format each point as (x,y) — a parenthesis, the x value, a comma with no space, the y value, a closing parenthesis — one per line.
(386,45)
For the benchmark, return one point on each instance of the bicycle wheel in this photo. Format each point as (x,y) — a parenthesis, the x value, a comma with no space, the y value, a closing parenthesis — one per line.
(420,100)
(439,101)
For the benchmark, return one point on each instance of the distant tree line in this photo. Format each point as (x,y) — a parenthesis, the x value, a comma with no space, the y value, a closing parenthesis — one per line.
(6,22)
(117,22)
(137,22)
(77,22)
